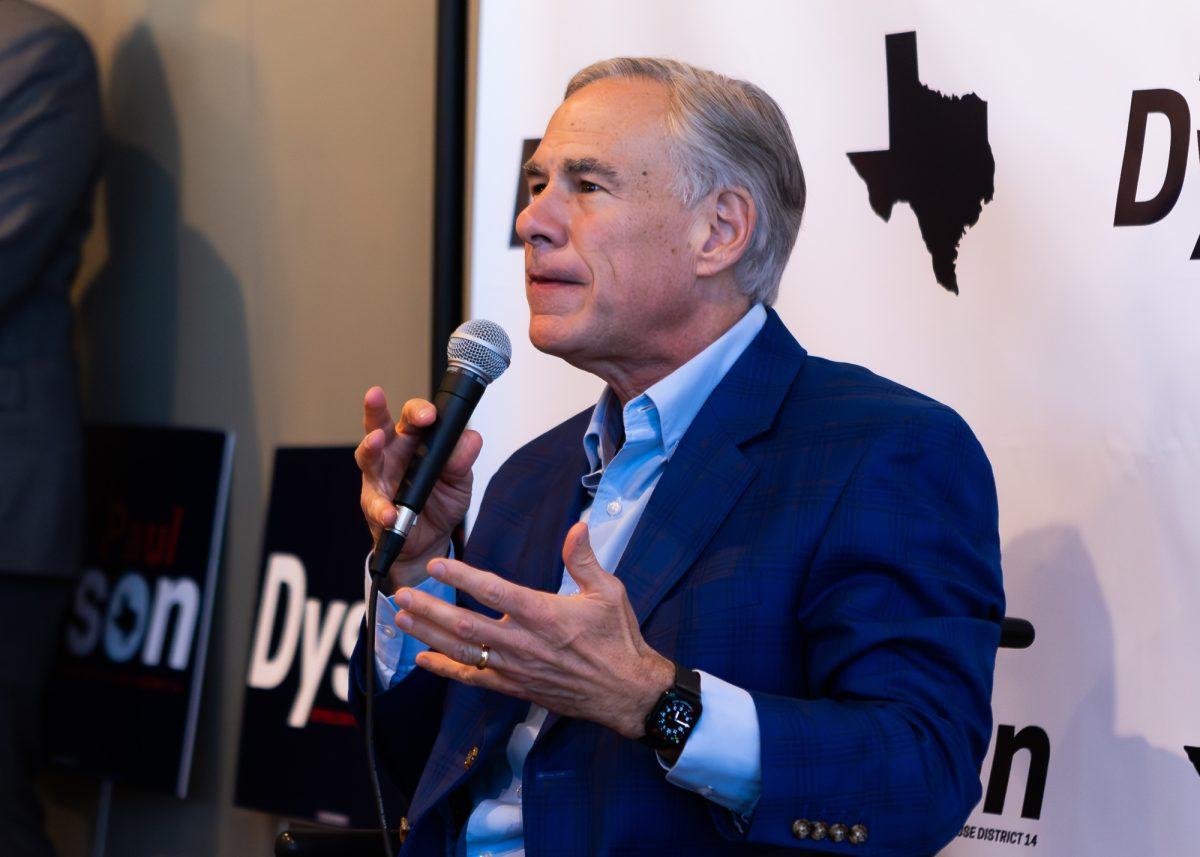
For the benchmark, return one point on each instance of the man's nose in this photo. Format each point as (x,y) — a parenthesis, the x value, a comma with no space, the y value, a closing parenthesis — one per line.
(543,221)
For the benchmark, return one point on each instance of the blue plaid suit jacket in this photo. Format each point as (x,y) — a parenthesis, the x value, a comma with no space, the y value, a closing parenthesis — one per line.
(822,537)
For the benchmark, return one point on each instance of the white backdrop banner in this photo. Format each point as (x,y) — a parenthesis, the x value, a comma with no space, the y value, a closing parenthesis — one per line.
(1059,137)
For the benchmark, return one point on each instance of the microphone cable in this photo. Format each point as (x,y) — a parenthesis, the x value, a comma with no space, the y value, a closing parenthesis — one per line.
(369,716)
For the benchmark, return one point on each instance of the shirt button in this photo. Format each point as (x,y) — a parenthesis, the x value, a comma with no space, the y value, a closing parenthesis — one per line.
(518,792)
(614,508)
(388,631)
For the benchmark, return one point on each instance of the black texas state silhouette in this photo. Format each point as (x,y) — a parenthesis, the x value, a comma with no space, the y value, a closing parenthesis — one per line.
(938,161)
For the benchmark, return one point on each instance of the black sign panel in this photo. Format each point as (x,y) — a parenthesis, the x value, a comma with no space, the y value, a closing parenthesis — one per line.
(301,752)
(528,147)
(126,694)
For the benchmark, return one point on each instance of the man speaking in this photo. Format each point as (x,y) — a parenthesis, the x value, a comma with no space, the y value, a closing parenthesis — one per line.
(751,600)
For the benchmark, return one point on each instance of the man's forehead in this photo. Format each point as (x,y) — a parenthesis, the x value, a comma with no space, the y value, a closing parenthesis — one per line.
(614,101)
(605,122)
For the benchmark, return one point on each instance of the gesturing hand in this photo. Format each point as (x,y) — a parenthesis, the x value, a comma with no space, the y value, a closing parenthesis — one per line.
(383,456)
(579,656)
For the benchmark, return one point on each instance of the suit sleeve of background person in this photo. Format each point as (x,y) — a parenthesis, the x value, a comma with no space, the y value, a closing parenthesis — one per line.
(49,139)
(50,132)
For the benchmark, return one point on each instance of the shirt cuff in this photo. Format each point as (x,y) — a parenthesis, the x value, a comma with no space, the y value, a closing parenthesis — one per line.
(721,759)
(396,652)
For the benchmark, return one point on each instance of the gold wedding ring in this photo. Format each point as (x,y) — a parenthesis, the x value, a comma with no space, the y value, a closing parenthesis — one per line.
(484,654)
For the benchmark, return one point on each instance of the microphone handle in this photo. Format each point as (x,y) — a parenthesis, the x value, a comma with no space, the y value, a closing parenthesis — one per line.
(455,400)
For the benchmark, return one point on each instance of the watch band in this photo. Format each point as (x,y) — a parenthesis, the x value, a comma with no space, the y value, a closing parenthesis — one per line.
(687,684)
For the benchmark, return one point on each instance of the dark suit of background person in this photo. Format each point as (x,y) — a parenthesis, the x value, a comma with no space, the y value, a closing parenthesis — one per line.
(822,537)
(49,147)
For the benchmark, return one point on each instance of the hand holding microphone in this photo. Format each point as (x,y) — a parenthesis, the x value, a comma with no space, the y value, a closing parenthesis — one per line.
(417,473)
(383,456)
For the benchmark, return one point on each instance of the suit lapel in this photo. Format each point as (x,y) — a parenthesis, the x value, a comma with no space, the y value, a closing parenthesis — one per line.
(541,567)
(557,505)
(696,492)
(708,472)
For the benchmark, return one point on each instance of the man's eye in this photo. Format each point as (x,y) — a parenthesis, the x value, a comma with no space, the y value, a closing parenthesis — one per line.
(535,189)
(586,186)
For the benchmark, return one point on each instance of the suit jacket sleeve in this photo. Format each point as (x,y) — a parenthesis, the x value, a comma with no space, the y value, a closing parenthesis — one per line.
(49,137)
(901,611)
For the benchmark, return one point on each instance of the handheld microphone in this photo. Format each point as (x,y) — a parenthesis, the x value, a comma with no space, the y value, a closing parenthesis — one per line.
(478,353)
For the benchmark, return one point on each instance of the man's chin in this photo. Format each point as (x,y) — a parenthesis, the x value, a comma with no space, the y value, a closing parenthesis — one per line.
(552,334)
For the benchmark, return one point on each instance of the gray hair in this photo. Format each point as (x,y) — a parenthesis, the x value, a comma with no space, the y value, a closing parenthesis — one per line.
(727,133)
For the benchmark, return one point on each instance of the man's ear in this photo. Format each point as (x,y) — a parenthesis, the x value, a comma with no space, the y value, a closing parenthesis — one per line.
(730,220)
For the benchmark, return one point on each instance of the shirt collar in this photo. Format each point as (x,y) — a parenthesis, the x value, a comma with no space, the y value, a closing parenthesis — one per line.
(675,400)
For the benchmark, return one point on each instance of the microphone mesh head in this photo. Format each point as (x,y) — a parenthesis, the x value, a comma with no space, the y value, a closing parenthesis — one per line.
(481,346)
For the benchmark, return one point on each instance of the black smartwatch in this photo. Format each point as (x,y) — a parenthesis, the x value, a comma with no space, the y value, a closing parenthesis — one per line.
(674,716)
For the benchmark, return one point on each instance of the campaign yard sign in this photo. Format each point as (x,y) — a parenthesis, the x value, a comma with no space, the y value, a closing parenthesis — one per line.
(126,693)
(301,751)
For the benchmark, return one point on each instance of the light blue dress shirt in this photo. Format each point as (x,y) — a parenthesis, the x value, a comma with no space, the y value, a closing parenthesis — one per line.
(721,758)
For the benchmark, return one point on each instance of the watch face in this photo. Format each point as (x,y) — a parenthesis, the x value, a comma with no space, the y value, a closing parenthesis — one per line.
(675,720)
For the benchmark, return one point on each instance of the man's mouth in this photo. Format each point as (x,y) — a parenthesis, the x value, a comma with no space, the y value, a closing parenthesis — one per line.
(553,278)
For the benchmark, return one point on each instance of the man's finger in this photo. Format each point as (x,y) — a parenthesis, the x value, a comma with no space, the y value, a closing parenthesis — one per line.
(375,411)
(490,590)
(462,459)
(440,640)
(366,454)
(581,561)
(487,678)
(415,415)
(381,510)
(455,623)
(375,504)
